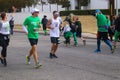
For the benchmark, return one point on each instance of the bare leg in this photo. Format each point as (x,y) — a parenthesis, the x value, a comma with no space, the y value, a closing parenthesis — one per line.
(31,53)
(55,49)
(52,48)
(35,55)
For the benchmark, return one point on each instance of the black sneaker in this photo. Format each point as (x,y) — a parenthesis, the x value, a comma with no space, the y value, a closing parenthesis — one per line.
(54,56)
(51,55)
(5,62)
(1,60)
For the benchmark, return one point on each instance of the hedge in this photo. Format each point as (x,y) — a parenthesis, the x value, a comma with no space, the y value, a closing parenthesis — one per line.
(84,12)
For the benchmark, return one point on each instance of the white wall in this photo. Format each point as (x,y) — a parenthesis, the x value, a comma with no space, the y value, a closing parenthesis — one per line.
(46,8)
(118,3)
(20,17)
(72,2)
(94,4)
(99,4)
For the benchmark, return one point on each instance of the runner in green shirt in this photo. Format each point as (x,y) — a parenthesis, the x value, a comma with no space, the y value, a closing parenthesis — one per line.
(102,33)
(31,26)
(102,23)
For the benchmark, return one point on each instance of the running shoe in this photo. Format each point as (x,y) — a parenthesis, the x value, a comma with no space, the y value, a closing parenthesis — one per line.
(113,49)
(5,62)
(51,56)
(38,65)
(76,45)
(97,51)
(27,60)
(1,60)
(54,56)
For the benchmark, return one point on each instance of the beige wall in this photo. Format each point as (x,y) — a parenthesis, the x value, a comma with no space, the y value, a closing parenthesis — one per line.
(88,23)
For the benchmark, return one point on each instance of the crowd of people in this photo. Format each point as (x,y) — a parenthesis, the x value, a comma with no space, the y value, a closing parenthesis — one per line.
(70,27)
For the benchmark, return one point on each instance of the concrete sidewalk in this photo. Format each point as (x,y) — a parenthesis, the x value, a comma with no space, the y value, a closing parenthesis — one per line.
(85,35)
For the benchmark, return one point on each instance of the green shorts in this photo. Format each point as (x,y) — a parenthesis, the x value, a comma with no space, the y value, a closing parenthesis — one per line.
(117,34)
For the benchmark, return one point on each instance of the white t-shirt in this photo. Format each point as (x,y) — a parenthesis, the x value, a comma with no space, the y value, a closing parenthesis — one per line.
(4,27)
(60,19)
(55,32)
(66,28)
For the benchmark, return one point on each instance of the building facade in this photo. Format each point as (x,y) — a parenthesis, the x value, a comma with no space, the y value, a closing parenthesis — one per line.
(94,4)
(74,4)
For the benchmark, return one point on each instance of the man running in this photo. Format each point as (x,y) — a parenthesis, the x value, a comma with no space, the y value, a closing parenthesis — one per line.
(54,26)
(102,33)
(31,26)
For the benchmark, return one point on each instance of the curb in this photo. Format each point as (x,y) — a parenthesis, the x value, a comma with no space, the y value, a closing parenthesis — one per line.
(86,35)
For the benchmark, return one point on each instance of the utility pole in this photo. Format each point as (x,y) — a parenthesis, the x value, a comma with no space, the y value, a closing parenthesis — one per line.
(112,8)
(117,7)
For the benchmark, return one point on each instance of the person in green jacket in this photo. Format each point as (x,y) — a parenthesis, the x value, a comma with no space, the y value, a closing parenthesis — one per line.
(102,32)
(31,27)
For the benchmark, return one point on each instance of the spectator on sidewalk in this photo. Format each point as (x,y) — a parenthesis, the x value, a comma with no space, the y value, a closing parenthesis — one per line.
(44,23)
(117,32)
(67,33)
(79,30)
(111,30)
(71,20)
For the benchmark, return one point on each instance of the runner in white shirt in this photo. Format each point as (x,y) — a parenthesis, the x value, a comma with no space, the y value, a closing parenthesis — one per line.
(54,26)
(4,36)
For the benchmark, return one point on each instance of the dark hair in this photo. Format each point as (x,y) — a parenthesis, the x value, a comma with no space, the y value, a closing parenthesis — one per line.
(45,16)
(3,14)
(54,12)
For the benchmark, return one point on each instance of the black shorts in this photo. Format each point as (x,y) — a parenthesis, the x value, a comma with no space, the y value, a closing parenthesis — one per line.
(54,40)
(44,27)
(4,40)
(102,35)
(33,41)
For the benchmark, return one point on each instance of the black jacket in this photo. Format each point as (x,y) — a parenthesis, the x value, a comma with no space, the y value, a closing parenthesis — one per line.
(117,24)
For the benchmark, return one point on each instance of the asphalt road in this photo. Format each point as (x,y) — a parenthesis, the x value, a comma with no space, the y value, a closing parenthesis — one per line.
(74,63)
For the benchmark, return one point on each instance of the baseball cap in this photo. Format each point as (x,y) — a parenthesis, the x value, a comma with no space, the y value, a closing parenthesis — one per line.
(34,10)
(97,11)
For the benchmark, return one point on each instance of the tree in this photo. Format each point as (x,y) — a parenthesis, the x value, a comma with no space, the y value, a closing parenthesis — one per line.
(5,5)
(64,3)
(82,3)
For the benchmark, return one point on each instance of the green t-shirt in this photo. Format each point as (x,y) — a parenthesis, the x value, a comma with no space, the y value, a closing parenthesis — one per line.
(32,24)
(108,23)
(102,23)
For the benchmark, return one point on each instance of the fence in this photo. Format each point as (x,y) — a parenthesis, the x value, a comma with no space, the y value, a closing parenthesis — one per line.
(20,17)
